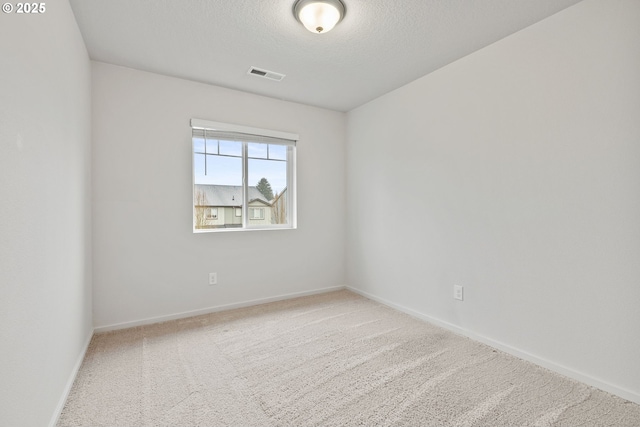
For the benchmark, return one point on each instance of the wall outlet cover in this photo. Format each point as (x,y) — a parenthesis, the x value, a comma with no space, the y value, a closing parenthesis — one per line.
(458,292)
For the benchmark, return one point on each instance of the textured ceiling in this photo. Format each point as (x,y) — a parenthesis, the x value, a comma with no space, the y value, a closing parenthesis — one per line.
(379,46)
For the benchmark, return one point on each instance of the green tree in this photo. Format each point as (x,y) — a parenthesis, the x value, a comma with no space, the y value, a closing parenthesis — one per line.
(264,187)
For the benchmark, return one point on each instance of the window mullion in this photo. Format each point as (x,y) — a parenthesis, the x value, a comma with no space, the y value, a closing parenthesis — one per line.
(290,186)
(205,152)
(245,187)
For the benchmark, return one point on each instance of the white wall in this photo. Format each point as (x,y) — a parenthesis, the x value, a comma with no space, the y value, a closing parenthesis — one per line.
(519,170)
(45,240)
(147,261)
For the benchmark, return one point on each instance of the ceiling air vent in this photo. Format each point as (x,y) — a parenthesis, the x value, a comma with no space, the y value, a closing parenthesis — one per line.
(271,75)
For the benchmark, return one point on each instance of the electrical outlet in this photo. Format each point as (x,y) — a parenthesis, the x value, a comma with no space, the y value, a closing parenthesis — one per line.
(457,292)
(213,278)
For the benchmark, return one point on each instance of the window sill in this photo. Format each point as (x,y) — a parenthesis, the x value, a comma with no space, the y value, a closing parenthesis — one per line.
(236,230)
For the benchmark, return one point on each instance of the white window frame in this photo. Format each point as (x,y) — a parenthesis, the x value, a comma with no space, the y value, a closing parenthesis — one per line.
(261,136)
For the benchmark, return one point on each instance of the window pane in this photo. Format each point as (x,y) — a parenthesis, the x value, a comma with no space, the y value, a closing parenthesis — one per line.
(231,148)
(223,171)
(198,145)
(212,146)
(217,191)
(257,151)
(198,165)
(267,190)
(277,152)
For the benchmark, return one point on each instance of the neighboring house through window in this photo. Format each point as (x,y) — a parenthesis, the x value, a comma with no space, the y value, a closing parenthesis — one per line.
(243,177)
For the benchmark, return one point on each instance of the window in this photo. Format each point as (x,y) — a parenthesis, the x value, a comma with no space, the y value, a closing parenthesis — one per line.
(256,213)
(212,213)
(243,178)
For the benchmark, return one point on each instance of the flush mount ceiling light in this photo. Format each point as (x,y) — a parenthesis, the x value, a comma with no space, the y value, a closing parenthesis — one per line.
(319,16)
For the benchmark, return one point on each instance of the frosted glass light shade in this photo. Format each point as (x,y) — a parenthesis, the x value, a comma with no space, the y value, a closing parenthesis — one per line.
(319,16)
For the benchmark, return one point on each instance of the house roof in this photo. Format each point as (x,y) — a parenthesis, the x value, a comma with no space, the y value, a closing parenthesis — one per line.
(227,195)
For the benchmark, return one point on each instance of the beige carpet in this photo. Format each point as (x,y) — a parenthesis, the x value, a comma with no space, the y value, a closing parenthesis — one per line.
(328,360)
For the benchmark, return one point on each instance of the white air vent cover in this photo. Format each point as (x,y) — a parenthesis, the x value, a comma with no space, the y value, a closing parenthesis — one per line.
(271,75)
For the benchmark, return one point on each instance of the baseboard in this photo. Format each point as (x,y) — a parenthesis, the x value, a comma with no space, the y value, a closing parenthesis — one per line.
(552,366)
(208,310)
(70,381)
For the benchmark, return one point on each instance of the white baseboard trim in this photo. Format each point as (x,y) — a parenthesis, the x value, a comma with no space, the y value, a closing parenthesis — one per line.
(552,366)
(208,310)
(70,381)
